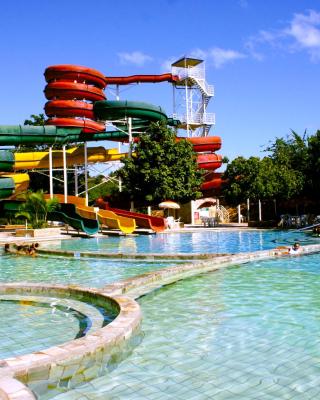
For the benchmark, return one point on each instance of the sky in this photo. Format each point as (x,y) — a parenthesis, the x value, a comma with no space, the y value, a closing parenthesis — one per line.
(263,58)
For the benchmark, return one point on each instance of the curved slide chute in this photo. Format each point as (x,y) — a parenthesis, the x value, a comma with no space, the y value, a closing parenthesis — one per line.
(13,135)
(203,144)
(156,224)
(86,125)
(71,89)
(69,108)
(70,72)
(113,110)
(209,161)
(107,218)
(213,180)
(69,215)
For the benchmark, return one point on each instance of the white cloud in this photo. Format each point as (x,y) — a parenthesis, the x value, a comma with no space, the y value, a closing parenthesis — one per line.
(217,56)
(301,33)
(304,29)
(136,57)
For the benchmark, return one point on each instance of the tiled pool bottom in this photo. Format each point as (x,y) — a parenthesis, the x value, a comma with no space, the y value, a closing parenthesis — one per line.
(34,323)
(240,333)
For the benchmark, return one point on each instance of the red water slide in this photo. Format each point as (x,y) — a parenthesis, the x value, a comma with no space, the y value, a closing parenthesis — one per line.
(209,161)
(142,220)
(126,80)
(75,73)
(202,144)
(71,89)
(213,180)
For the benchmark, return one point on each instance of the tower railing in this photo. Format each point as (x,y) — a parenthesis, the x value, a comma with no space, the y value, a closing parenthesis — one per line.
(198,119)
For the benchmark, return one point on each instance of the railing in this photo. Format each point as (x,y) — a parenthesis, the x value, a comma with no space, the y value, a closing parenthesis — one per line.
(196,74)
(198,119)
(223,214)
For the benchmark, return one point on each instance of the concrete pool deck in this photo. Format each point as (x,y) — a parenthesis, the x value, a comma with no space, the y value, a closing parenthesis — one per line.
(39,370)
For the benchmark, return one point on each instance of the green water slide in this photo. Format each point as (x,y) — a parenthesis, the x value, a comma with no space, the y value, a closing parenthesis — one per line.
(113,110)
(142,114)
(68,215)
(7,187)
(14,135)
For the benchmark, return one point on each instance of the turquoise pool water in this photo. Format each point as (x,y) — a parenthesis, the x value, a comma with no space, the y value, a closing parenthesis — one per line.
(241,333)
(188,242)
(87,272)
(249,332)
(25,327)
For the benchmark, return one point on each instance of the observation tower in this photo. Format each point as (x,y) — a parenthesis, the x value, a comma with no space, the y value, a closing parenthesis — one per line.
(191,95)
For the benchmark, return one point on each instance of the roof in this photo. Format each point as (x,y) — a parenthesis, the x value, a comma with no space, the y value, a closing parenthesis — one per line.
(186,62)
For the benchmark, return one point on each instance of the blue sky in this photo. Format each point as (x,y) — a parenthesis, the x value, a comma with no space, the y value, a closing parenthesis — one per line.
(263,57)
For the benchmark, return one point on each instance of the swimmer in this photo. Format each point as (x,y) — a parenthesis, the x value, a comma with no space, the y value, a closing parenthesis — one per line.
(295,249)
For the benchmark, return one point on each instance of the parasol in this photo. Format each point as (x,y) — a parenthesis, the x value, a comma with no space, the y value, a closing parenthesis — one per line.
(169,204)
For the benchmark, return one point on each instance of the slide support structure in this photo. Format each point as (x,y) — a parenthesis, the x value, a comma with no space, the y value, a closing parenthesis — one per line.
(76,188)
(50,173)
(65,175)
(86,173)
(130,135)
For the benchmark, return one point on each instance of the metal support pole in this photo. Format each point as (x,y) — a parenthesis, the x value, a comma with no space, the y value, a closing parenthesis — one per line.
(120,184)
(130,135)
(50,173)
(248,210)
(260,217)
(86,172)
(239,213)
(117,93)
(65,175)
(192,212)
(76,186)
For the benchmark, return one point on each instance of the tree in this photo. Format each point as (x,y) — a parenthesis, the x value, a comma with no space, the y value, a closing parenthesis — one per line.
(161,168)
(313,171)
(263,179)
(36,208)
(36,120)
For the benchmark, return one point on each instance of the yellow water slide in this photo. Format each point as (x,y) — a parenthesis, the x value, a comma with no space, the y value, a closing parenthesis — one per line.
(105,217)
(74,156)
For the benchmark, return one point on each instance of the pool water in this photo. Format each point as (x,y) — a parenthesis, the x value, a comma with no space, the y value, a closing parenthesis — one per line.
(240,333)
(86,272)
(249,332)
(33,323)
(188,242)
(25,326)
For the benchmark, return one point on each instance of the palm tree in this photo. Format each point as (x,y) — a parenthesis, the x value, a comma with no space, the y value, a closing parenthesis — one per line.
(36,208)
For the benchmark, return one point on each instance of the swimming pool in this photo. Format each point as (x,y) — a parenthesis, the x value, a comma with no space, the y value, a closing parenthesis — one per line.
(239,333)
(216,241)
(221,324)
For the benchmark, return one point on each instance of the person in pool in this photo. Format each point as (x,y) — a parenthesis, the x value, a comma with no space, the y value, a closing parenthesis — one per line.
(295,249)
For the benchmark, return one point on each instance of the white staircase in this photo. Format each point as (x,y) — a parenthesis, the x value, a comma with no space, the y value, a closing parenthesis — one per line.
(196,94)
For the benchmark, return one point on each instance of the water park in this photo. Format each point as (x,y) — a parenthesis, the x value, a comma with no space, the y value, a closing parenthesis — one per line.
(110,303)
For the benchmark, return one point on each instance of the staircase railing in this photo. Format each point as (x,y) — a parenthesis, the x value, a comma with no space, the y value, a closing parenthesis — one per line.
(223,214)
